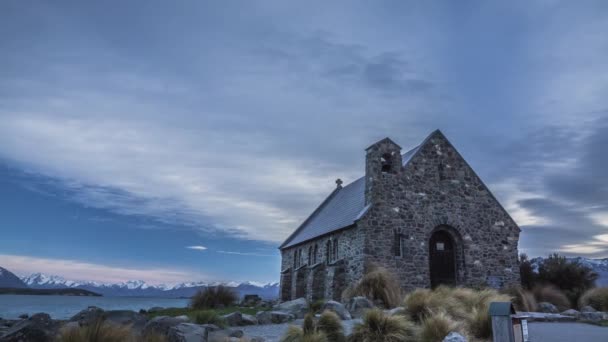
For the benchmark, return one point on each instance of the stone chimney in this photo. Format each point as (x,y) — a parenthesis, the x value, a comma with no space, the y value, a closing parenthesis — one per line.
(382,163)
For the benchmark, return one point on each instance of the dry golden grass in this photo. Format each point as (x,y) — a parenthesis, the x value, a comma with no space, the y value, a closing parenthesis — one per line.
(436,326)
(105,332)
(553,295)
(331,325)
(296,334)
(377,326)
(596,298)
(327,329)
(523,300)
(378,284)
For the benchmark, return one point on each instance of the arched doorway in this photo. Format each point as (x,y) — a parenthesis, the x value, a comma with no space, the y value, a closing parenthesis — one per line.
(442,258)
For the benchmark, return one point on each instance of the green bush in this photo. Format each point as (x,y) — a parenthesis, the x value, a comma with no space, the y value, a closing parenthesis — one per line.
(378,284)
(596,298)
(209,317)
(213,297)
(526,271)
(569,276)
(377,326)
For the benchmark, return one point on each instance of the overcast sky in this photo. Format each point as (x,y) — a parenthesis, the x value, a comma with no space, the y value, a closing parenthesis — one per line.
(173,141)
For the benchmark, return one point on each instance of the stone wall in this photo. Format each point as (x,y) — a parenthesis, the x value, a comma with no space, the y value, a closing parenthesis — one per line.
(436,188)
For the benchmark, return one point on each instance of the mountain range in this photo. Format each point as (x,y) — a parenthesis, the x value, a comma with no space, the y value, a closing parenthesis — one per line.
(599,266)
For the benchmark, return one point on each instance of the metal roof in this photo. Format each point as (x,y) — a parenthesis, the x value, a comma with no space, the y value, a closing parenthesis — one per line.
(341,209)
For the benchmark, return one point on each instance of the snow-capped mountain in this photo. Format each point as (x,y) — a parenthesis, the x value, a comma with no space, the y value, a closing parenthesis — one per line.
(599,266)
(141,289)
(9,280)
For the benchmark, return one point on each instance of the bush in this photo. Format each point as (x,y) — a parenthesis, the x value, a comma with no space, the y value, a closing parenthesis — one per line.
(213,297)
(569,276)
(596,298)
(418,302)
(209,317)
(436,327)
(526,271)
(553,295)
(377,326)
(104,332)
(378,284)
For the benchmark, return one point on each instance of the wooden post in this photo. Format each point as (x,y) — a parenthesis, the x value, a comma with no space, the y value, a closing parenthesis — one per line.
(502,321)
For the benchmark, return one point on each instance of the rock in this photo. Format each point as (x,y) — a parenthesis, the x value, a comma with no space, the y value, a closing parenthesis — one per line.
(547,307)
(396,311)
(593,316)
(184,318)
(233,319)
(572,313)
(588,309)
(268,317)
(188,332)
(338,308)
(211,327)
(249,320)
(123,317)
(358,305)
(257,339)
(235,333)
(161,325)
(38,328)
(251,300)
(454,337)
(88,316)
(297,307)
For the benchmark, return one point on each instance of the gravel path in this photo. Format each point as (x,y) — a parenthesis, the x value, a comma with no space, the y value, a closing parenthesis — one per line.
(539,331)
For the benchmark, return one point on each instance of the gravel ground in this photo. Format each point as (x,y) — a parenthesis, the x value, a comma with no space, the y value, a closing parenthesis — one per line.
(539,331)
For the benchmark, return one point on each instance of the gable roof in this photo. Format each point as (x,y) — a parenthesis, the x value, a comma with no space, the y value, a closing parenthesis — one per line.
(341,209)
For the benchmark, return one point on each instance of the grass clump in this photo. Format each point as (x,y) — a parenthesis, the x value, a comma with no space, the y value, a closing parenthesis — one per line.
(553,295)
(209,317)
(378,285)
(213,297)
(327,329)
(523,300)
(101,331)
(597,298)
(377,326)
(435,327)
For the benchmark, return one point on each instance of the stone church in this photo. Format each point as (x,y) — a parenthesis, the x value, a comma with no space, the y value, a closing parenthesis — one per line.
(423,214)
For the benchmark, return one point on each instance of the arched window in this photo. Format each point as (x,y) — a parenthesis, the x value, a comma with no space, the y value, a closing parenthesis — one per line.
(441,171)
(399,244)
(328,252)
(387,162)
(295,259)
(335,249)
(310,256)
(314,255)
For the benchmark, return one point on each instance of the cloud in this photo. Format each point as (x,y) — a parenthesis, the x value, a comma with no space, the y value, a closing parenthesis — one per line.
(197,248)
(84,271)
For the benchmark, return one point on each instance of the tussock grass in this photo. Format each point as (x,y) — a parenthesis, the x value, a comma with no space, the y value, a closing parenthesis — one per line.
(436,326)
(213,297)
(378,284)
(523,300)
(553,295)
(101,331)
(596,298)
(327,329)
(209,317)
(331,325)
(377,326)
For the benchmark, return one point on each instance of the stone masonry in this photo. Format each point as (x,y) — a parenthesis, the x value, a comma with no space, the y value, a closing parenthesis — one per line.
(409,198)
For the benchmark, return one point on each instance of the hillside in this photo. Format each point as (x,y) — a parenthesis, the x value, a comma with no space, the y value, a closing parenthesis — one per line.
(8,279)
(48,292)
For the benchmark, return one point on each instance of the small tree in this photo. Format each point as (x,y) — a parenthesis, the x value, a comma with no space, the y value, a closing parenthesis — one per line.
(526,271)
(568,275)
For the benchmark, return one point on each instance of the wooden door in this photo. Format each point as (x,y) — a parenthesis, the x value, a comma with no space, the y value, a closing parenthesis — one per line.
(442,259)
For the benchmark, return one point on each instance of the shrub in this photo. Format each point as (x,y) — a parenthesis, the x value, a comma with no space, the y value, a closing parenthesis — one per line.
(553,295)
(296,334)
(377,326)
(213,297)
(331,325)
(378,284)
(209,317)
(436,327)
(569,276)
(104,332)
(523,300)
(417,302)
(526,271)
(596,298)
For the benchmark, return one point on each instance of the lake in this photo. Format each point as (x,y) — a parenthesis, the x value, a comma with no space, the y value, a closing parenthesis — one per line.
(62,307)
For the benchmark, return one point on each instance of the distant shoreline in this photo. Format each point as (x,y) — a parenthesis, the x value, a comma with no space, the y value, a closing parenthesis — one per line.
(49,292)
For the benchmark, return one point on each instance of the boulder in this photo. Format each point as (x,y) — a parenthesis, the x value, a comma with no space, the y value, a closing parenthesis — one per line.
(358,305)
(572,313)
(297,307)
(588,309)
(161,325)
(338,308)
(124,317)
(396,311)
(188,332)
(39,328)
(88,316)
(593,316)
(235,333)
(454,337)
(276,317)
(547,307)
(251,300)
(236,319)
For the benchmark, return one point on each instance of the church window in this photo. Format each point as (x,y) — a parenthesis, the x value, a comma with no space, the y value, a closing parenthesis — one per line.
(399,244)
(328,252)
(310,262)
(314,255)
(387,162)
(335,252)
